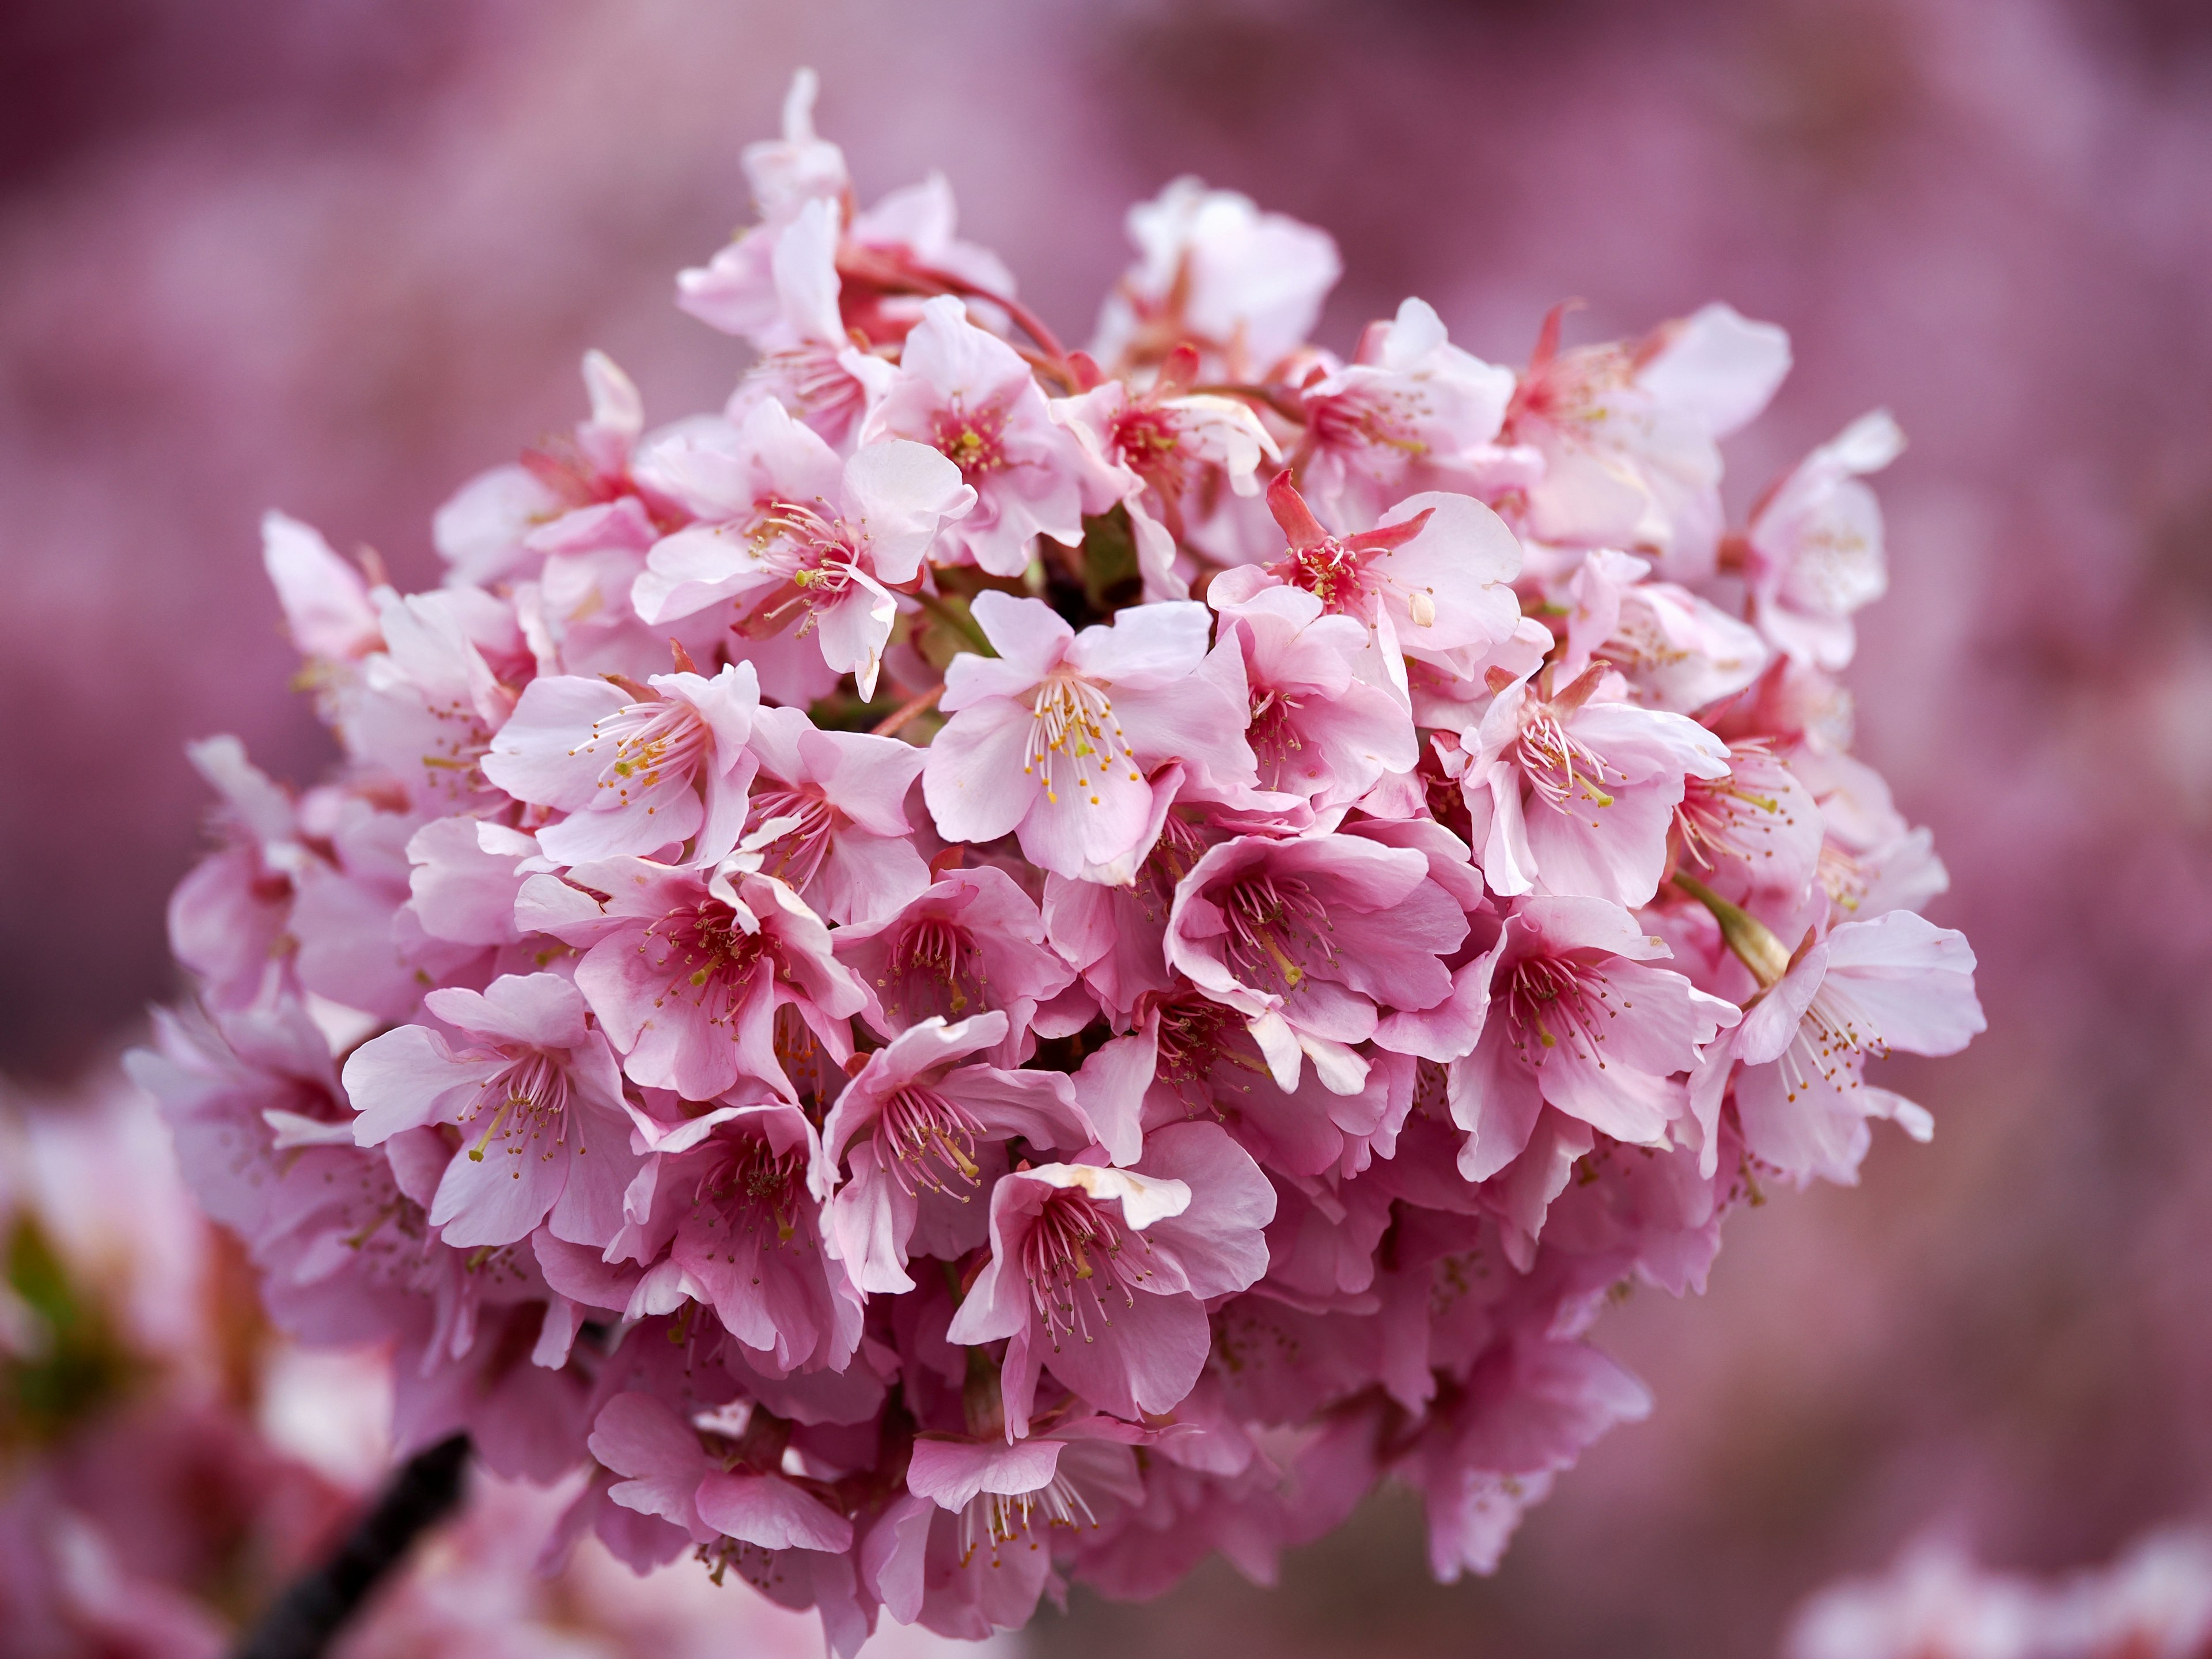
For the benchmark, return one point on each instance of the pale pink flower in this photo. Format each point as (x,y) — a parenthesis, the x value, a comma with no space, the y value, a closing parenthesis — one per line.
(904,244)
(1318,730)
(1052,739)
(329,609)
(973,940)
(788,536)
(228,916)
(1409,405)
(491,531)
(687,969)
(424,708)
(1629,434)
(815,371)
(1152,449)
(1491,1446)
(1100,1275)
(1896,981)
(1678,651)
(636,770)
(1431,581)
(968,395)
(1813,549)
(1573,792)
(1580,1020)
(916,1128)
(1757,827)
(1211,269)
(846,847)
(537,1097)
(1312,939)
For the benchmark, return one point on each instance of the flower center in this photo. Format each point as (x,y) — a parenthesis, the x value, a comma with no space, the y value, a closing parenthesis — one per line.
(710,961)
(1554,1003)
(1073,730)
(1369,419)
(1834,1039)
(1149,441)
(973,440)
(819,554)
(794,856)
(530,1096)
(651,742)
(998,1519)
(1722,817)
(1560,766)
(755,1187)
(934,968)
(1073,1259)
(929,1141)
(1276,928)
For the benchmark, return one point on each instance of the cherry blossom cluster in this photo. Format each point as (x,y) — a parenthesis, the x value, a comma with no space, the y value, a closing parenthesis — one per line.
(1001,965)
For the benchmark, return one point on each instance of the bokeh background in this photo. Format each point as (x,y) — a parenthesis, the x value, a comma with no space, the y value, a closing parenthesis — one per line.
(334,255)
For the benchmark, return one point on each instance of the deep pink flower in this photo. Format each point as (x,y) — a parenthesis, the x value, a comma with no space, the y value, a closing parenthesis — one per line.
(1578,1019)
(1053,737)
(536,1095)
(972,941)
(635,770)
(1099,1276)
(1311,939)
(846,847)
(1572,792)
(917,1127)
(687,969)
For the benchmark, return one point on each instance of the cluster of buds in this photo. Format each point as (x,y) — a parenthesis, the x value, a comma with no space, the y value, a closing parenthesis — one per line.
(1002,965)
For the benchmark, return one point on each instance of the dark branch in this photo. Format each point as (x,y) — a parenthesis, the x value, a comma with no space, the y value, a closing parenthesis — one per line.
(302,1622)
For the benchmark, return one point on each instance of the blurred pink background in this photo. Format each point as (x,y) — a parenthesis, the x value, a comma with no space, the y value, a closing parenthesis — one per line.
(334,257)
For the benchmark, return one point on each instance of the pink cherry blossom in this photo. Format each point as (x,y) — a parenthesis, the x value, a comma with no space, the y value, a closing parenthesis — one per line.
(686,969)
(968,395)
(1052,739)
(1572,791)
(973,940)
(1814,545)
(915,1126)
(1318,730)
(1677,650)
(1099,1274)
(1628,434)
(1578,1020)
(1895,981)
(1311,939)
(1153,450)
(635,774)
(1431,579)
(846,846)
(1243,285)
(536,1095)
(1410,404)
(790,537)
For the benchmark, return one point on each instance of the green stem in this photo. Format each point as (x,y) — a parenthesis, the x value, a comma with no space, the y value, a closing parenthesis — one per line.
(958,619)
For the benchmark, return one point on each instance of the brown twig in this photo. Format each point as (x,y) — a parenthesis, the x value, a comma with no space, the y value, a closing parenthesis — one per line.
(302,1623)
(912,709)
